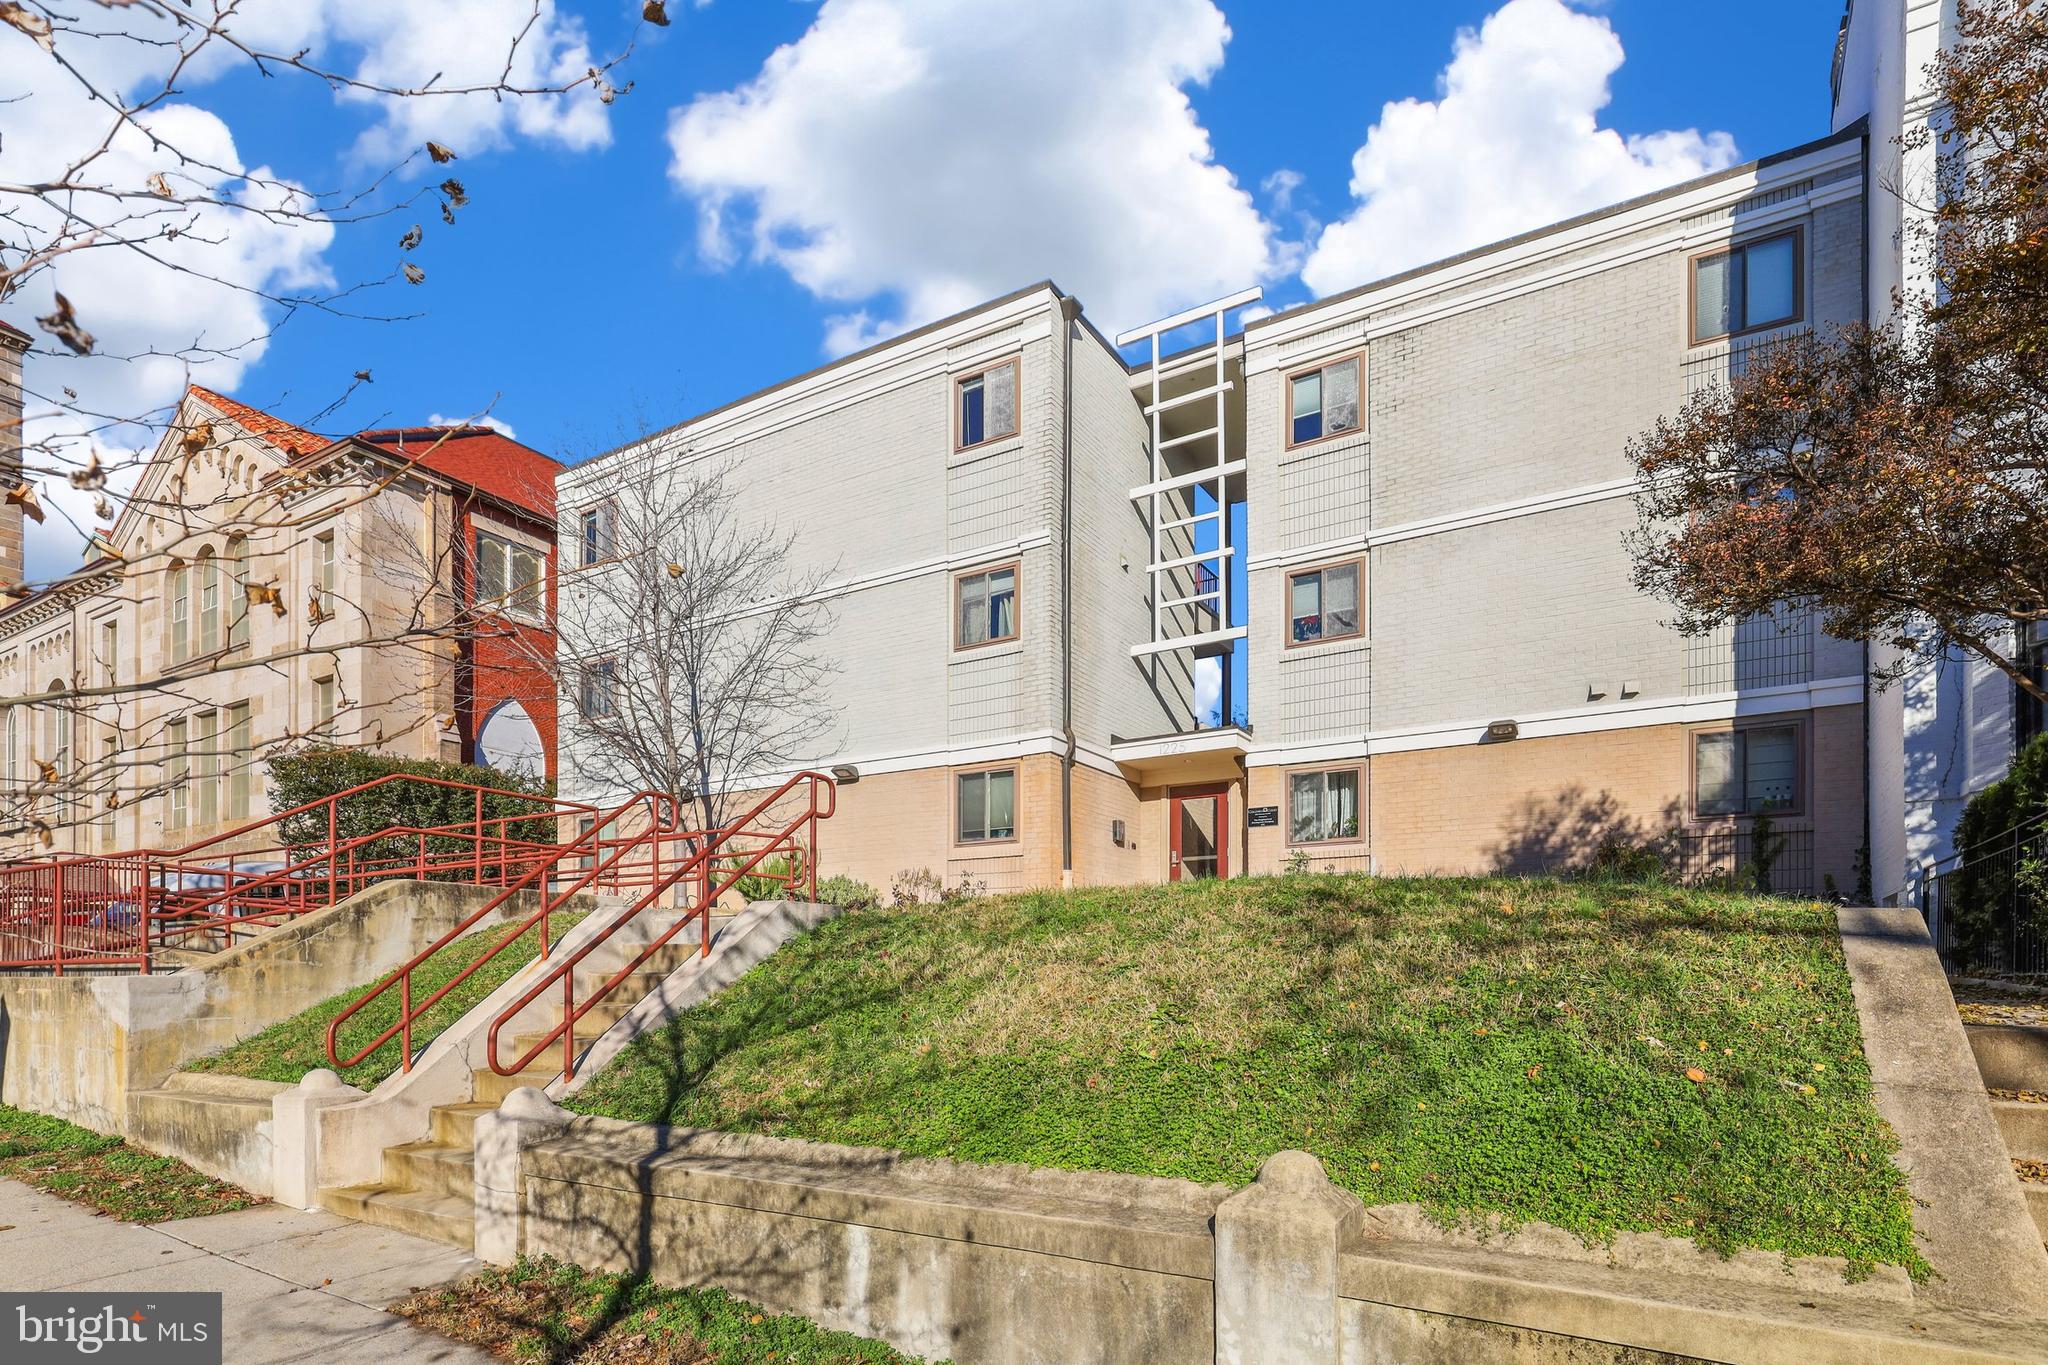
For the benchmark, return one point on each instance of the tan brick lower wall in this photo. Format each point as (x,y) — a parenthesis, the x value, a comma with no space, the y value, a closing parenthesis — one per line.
(896,822)
(1536,804)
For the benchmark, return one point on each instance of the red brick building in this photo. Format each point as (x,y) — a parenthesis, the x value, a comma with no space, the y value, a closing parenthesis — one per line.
(502,496)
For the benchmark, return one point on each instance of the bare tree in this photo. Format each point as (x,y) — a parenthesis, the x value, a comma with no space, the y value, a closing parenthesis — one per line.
(692,650)
(117,184)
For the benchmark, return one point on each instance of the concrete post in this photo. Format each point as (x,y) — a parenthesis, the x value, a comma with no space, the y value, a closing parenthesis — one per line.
(526,1117)
(1277,1241)
(295,1135)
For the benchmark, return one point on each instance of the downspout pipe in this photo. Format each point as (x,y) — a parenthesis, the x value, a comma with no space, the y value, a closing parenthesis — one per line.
(1070,315)
(1869,694)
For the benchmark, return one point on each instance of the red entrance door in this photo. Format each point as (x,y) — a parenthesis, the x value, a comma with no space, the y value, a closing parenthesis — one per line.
(1200,817)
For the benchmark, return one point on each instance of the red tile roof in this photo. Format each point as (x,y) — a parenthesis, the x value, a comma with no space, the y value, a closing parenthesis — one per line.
(278,432)
(11,330)
(481,457)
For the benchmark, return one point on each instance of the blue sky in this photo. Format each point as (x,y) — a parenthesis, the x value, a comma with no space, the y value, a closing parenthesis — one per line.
(895,168)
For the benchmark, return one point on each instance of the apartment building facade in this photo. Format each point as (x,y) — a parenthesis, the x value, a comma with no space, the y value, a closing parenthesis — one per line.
(1038,588)
(264,587)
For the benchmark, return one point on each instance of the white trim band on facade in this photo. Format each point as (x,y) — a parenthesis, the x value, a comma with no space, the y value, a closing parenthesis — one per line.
(1763,701)
(1454,521)
(1667,212)
(1585,720)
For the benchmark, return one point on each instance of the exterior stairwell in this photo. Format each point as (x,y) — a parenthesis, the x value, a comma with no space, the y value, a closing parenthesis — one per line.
(427,1187)
(2009,1035)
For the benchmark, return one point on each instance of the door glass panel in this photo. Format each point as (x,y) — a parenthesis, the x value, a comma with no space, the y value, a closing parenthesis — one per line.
(1198,836)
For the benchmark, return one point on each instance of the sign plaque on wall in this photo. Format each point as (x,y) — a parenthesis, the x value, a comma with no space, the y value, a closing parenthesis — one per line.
(1262,817)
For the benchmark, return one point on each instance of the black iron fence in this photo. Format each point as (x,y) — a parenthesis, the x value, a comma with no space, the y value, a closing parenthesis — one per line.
(1988,912)
(1768,860)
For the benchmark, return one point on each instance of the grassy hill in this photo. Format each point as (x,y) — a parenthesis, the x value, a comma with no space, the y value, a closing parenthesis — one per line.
(1599,1057)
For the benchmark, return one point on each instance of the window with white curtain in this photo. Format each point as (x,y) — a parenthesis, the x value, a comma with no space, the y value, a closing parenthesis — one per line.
(987,607)
(988,806)
(987,405)
(1745,772)
(1322,604)
(1322,806)
(1322,402)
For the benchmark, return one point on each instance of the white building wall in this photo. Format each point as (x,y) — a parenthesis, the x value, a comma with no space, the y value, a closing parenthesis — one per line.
(1936,737)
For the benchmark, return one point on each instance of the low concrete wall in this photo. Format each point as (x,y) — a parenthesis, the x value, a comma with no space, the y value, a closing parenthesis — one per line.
(217,1124)
(1006,1264)
(1969,1213)
(79,1046)
(943,1259)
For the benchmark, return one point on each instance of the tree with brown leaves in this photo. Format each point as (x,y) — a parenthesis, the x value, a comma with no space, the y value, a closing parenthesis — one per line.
(1893,478)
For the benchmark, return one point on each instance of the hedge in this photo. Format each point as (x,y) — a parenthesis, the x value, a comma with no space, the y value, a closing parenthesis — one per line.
(312,774)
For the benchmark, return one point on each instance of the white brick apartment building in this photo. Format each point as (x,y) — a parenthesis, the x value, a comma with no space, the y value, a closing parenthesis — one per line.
(1448,667)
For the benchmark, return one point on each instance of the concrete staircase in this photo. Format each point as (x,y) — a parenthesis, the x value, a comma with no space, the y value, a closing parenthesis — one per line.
(2013,1059)
(427,1187)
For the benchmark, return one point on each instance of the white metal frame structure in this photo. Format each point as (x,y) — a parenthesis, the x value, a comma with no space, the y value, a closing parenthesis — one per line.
(1219,475)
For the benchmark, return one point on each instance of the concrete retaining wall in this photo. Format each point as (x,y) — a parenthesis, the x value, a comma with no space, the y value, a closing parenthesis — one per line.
(1006,1264)
(79,1046)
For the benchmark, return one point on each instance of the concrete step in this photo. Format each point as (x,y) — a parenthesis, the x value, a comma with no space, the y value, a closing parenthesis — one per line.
(220,1083)
(440,1217)
(431,1168)
(2010,1056)
(488,1086)
(454,1125)
(656,970)
(2024,1126)
(201,1106)
(177,959)
(2037,1204)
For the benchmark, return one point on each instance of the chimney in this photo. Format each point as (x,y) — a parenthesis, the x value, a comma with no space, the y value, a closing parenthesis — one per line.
(14,345)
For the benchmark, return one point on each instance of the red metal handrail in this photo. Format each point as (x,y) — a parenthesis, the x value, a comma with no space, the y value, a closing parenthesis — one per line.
(115,910)
(781,841)
(588,843)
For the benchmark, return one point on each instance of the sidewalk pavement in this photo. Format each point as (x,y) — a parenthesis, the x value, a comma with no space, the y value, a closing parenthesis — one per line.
(293,1285)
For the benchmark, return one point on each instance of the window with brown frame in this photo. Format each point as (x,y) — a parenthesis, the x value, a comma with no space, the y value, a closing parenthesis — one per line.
(1323,402)
(507,574)
(1322,603)
(985,607)
(1749,287)
(595,536)
(986,805)
(985,405)
(598,698)
(1322,806)
(1747,771)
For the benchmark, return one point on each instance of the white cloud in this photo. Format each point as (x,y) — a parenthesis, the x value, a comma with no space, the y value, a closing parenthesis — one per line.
(497,424)
(192,309)
(909,158)
(1512,143)
(1280,187)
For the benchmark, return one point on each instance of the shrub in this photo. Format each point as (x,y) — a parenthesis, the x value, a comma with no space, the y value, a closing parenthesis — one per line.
(308,775)
(770,879)
(1984,884)
(848,894)
(922,886)
(1619,859)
